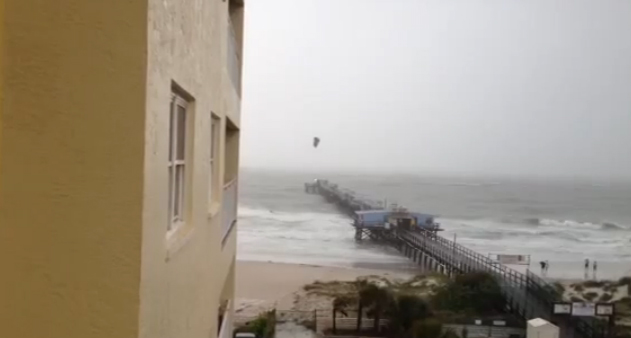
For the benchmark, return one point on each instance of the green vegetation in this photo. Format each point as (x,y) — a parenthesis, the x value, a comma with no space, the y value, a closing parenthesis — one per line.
(475,293)
(605,297)
(559,287)
(624,281)
(590,296)
(340,303)
(594,284)
(415,308)
(263,326)
(598,291)
(607,291)
(623,307)
(405,311)
(401,308)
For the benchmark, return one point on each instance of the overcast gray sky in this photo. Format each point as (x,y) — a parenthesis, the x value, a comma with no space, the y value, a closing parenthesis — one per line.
(432,86)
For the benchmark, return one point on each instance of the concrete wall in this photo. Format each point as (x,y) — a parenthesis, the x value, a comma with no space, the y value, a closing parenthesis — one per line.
(85,88)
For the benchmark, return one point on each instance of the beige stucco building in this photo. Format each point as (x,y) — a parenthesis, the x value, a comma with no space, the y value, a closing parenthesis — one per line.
(119,146)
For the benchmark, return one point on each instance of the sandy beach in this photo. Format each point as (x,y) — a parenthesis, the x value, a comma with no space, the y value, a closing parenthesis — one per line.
(263,285)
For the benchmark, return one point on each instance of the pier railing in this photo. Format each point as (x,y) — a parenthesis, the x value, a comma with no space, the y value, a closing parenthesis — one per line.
(459,259)
(527,294)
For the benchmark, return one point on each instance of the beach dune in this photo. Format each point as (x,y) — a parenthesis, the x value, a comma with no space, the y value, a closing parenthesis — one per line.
(264,285)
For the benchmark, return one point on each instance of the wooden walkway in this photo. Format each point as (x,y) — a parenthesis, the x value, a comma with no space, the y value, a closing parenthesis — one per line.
(527,295)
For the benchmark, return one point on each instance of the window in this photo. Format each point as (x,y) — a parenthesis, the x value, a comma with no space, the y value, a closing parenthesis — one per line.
(215,124)
(177,160)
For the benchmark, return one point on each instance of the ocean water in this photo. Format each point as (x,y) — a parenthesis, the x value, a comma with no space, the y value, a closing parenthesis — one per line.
(564,222)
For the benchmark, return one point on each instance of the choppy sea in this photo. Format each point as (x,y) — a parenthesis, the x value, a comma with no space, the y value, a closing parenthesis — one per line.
(563,222)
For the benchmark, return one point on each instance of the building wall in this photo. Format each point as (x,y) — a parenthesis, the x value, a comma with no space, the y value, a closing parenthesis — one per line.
(74,76)
(1,71)
(185,275)
(83,177)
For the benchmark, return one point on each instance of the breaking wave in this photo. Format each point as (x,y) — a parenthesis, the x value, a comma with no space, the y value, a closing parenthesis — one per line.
(279,222)
(574,224)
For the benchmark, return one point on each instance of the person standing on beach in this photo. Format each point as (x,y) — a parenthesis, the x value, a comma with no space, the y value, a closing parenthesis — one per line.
(547,267)
(543,268)
(595,267)
(586,268)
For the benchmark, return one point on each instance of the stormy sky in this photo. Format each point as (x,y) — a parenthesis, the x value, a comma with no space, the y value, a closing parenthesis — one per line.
(523,87)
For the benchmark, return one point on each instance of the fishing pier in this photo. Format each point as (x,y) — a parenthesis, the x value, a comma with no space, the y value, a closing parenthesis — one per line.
(417,236)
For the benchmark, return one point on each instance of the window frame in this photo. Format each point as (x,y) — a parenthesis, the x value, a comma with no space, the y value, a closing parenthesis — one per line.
(177,161)
(214,147)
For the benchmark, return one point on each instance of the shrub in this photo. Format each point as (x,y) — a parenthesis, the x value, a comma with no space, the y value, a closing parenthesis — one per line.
(626,300)
(594,284)
(590,296)
(611,287)
(624,281)
(624,305)
(405,310)
(477,292)
(559,287)
(264,325)
(606,297)
(579,287)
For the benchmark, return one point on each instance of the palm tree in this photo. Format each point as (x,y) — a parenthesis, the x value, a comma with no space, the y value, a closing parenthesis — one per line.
(362,298)
(379,298)
(340,303)
(374,296)
(404,311)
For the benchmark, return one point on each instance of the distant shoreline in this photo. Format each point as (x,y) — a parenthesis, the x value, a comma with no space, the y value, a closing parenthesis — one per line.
(362,171)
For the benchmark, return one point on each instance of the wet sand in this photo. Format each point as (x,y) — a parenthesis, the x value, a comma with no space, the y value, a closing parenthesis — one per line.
(575,271)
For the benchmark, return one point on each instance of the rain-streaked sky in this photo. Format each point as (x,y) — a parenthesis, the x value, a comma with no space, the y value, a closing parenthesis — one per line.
(521,87)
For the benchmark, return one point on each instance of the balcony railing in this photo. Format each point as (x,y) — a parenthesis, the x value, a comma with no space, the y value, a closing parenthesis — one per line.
(234,68)
(228,209)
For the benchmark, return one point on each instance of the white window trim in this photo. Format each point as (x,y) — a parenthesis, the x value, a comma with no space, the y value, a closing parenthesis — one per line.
(215,139)
(173,163)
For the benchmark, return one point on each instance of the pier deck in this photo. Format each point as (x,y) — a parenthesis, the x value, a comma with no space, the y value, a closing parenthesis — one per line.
(527,295)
